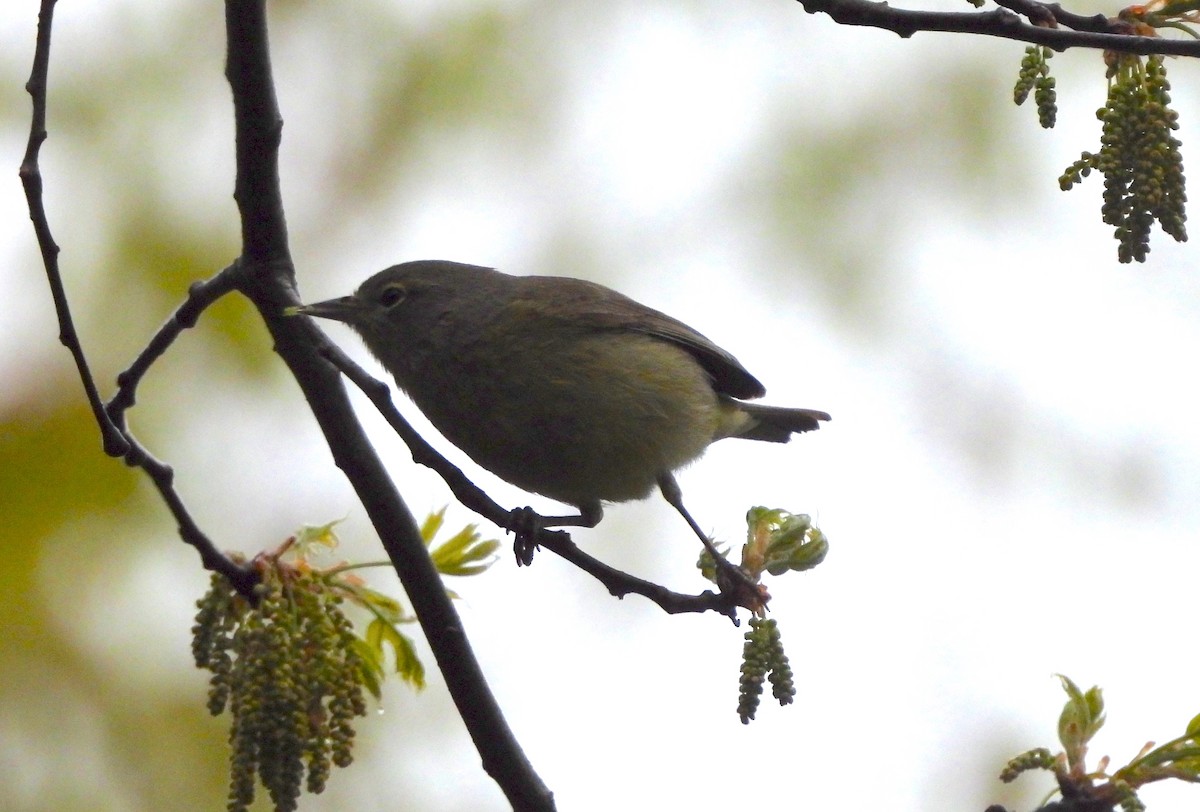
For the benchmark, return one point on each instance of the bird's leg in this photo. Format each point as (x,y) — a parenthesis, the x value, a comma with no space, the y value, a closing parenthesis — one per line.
(527,525)
(733,574)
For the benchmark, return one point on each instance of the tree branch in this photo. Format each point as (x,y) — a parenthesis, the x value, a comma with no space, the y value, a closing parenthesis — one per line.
(117,441)
(1079,31)
(620,584)
(31,179)
(243,577)
(200,296)
(268,280)
(264,274)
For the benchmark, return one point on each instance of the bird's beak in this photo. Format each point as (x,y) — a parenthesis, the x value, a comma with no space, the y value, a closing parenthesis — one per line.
(346,308)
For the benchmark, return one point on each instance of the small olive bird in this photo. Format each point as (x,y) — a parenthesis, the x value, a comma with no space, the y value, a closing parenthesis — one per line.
(562,387)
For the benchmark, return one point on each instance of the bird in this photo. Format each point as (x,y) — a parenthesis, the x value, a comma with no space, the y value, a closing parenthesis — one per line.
(560,386)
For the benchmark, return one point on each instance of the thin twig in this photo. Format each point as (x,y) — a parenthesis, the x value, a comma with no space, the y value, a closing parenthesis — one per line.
(200,296)
(31,179)
(117,441)
(1098,23)
(243,577)
(620,584)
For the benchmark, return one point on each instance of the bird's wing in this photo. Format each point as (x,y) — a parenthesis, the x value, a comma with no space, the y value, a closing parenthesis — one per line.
(599,308)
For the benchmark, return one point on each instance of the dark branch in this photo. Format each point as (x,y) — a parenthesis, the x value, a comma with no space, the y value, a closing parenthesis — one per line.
(621,584)
(200,296)
(117,441)
(243,577)
(1036,12)
(1097,23)
(264,274)
(258,129)
(31,180)
(1094,32)
(267,279)
(474,498)
(501,754)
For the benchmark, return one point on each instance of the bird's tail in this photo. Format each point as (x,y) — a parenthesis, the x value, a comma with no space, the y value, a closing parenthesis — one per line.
(775,424)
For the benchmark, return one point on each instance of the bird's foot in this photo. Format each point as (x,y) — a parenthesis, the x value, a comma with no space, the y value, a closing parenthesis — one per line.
(737,582)
(527,526)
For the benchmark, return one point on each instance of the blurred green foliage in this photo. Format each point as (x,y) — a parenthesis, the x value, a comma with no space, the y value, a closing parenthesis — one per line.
(819,188)
(138,172)
(141,202)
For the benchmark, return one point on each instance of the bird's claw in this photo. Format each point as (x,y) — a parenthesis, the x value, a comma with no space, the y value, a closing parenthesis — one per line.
(526,526)
(741,585)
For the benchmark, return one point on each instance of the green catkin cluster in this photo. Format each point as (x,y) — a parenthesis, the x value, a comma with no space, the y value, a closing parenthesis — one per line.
(212,636)
(1139,157)
(1038,759)
(1035,76)
(763,659)
(289,671)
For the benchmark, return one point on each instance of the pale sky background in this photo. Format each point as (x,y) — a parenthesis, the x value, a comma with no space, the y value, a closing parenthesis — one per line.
(1008,484)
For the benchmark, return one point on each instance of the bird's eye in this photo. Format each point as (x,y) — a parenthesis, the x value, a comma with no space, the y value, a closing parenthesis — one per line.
(392,295)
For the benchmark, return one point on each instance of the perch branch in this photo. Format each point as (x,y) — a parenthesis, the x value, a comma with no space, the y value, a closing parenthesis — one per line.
(1072,31)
